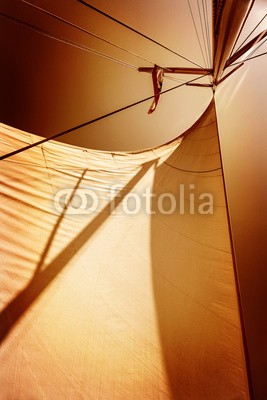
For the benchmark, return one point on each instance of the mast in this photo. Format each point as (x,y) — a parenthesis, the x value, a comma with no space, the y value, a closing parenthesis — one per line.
(229,17)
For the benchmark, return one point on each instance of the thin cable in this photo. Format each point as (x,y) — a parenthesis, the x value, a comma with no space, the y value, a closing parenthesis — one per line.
(251,58)
(202,31)
(256,49)
(203,34)
(242,27)
(171,78)
(250,33)
(82,47)
(57,135)
(188,2)
(66,41)
(205,11)
(85,31)
(71,43)
(136,31)
(249,55)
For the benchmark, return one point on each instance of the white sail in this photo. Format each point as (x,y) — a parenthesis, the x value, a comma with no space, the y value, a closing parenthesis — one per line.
(121,301)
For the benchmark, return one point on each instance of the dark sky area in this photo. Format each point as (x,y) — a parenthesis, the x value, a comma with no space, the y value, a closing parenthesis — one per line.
(50,86)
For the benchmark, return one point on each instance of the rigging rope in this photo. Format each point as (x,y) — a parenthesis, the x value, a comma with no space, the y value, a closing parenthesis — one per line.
(250,54)
(76,45)
(241,28)
(203,34)
(82,47)
(137,32)
(256,49)
(57,135)
(259,55)
(171,78)
(250,58)
(251,33)
(66,41)
(85,31)
(193,19)
(205,12)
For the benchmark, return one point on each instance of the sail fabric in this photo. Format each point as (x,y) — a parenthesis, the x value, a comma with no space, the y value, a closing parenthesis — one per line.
(108,290)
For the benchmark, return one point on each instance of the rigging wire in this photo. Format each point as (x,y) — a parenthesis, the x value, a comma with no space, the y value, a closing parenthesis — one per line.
(251,33)
(250,58)
(57,135)
(94,35)
(77,45)
(85,31)
(203,34)
(173,79)
(207,32)
(241,28)
(137,32)
(256,49)
(205,12)
(66,41)
(193,19)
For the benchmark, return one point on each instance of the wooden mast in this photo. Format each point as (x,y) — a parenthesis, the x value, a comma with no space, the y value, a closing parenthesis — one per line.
(229,17)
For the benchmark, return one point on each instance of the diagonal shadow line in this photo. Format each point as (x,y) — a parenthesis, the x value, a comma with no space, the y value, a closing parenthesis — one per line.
(11,314)
(55,229)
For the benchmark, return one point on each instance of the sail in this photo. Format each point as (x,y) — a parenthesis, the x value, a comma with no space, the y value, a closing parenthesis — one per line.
(117,276)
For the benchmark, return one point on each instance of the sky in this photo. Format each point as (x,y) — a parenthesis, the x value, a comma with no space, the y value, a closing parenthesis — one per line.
(50,86)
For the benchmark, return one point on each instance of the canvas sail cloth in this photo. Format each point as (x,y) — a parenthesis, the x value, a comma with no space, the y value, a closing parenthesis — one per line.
(101,305)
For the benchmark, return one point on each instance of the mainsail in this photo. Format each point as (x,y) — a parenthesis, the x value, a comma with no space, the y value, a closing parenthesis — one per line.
(108,304)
